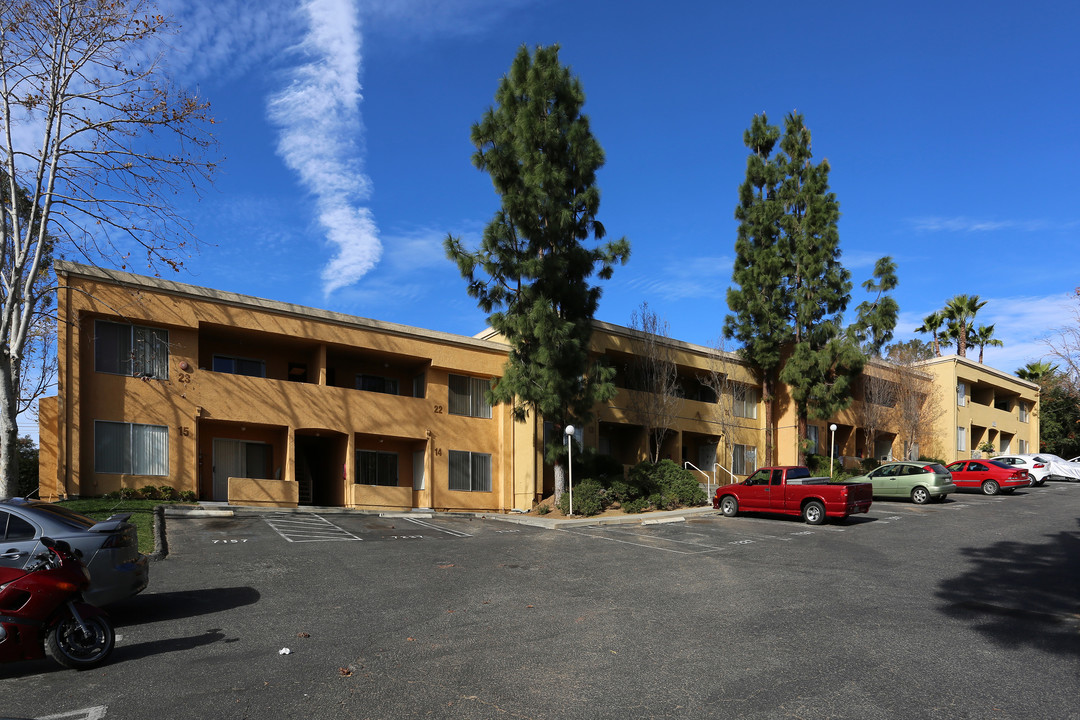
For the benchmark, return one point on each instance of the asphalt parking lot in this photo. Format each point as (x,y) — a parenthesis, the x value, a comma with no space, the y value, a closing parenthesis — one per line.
(966,609)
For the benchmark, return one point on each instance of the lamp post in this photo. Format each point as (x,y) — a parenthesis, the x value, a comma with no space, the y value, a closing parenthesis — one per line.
(570,463)
(832,446)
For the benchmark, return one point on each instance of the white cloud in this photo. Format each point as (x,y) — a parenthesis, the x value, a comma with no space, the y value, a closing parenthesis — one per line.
(226,37)
(321,131)
(1020,322)
(700,278)
(971,225)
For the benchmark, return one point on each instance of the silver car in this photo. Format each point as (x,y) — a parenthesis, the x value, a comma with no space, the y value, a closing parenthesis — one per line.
(110,548)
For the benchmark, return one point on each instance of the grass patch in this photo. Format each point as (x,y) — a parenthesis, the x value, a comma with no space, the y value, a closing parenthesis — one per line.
(142,514)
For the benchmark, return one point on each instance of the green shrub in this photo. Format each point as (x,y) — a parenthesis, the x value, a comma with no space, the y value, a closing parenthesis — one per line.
(188,496)
(660,501)
(589,496)
(939,461)
(127,493)
(868,464)
(167,492)
(543,509)
(622,491)
(149,492)
(679,483)
(642,479)
(636,505)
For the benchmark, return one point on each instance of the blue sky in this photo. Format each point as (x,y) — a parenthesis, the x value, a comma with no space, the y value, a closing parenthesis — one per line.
(950,128)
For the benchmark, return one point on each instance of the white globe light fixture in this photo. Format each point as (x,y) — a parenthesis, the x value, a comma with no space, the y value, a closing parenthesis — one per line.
(570,463)
(832,446)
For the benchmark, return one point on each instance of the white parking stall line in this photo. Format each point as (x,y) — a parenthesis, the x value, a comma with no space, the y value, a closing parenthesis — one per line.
(432,526)
(90,713)
(309,528)
(640,544)
(654,544)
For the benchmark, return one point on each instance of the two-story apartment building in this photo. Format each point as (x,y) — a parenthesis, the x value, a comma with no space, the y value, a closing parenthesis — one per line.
(252,401)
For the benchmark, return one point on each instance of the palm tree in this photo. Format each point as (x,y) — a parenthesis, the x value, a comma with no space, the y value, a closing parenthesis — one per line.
(931,324)
(959,314)
(983,337)
(1036,371)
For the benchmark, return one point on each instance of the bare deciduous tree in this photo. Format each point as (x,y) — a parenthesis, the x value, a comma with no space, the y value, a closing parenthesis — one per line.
(918,404)
(96,147)
(879,398)
(654,399)
(718,378)
(1064,344)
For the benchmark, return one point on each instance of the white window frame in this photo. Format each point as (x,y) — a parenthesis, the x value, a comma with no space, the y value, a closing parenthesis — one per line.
(743,459)
(144,351)
(467,396)
(469,471)
(1022,446)
(961,394)
(961,439)
(1024,412)
(744,401)
(143,449)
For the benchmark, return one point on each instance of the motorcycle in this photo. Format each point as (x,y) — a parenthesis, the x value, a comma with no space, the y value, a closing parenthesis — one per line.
(41,606)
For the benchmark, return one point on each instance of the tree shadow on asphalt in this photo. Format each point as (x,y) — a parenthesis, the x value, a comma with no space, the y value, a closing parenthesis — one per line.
(155,607)
(1021,594)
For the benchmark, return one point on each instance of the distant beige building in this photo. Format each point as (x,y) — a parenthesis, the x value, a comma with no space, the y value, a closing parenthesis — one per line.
(251,401)
(987,412)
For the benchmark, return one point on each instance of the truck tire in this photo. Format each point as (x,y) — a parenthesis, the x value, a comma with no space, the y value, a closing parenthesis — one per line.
(729,506)
(920,495)
(813,513)
(989,487)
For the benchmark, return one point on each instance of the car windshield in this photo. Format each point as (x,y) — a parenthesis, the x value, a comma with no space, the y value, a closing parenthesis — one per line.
(68,517)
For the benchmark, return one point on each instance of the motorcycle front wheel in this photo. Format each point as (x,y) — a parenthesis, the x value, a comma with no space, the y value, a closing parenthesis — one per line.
(78,650)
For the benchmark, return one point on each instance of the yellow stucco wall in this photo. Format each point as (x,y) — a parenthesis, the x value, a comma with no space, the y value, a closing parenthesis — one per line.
(307,431)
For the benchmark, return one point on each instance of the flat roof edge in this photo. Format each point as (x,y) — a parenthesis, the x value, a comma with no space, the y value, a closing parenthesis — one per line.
(124,278)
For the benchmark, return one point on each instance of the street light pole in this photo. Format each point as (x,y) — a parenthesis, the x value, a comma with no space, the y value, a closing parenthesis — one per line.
(832,447)
(570,463)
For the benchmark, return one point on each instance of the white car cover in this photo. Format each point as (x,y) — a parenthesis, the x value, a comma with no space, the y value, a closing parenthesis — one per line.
(1061,468)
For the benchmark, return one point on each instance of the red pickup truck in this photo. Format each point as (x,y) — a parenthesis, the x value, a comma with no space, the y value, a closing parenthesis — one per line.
(790,490)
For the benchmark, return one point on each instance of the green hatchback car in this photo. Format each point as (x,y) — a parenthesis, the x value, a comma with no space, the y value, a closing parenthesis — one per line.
(920,481)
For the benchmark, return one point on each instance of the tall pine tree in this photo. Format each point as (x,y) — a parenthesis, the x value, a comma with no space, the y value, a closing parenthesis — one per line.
(790,289)
(760,297)
(532,271)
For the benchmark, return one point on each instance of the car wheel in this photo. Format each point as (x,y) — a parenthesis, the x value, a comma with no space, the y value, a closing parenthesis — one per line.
(920,496)
(989,487)
(729,506)
(813,513)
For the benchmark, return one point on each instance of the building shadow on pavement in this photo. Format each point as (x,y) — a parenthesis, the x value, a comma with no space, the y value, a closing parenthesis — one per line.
(1021,594)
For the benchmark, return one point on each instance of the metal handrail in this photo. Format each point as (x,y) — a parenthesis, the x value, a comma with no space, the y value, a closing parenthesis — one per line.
(718,465)
(712,478)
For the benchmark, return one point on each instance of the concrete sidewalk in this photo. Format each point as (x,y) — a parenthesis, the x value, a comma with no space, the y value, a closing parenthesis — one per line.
(223,510)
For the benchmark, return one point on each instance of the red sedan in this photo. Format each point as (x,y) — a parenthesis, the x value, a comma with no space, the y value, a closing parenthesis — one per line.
(989,475)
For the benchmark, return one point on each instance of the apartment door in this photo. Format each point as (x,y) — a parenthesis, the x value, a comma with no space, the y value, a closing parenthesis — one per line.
(228,462)
(238,458)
